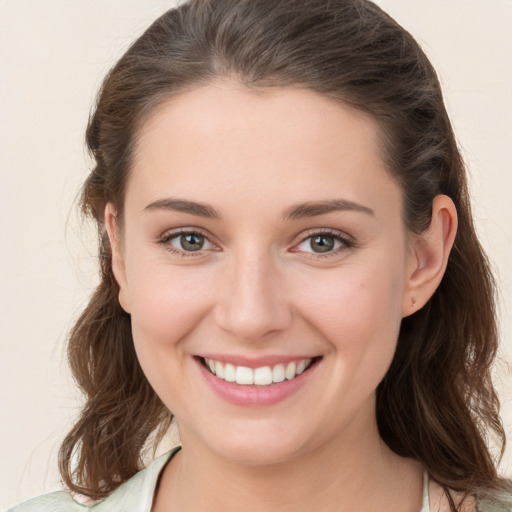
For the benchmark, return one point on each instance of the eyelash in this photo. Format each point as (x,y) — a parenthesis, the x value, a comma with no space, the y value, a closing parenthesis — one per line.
(346,243)
(166,239)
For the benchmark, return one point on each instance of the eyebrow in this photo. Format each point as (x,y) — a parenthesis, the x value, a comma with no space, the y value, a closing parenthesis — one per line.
(185,206)
(299,211)
(313,209)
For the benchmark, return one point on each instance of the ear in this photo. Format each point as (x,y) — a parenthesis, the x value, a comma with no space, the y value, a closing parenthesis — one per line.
(118,263)
(429,255)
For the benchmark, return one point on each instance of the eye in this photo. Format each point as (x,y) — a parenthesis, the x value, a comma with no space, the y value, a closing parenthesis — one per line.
(189,241)
(323,243)
(186,242)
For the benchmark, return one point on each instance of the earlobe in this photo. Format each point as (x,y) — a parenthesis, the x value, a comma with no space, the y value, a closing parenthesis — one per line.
(429,255)
(118,263)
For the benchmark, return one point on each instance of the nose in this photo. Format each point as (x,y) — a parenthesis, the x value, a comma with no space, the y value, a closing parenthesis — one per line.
(253,304)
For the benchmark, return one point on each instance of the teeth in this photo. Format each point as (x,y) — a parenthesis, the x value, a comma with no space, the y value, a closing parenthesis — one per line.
(243,375)
(300,367)
(291,370)
(278,373)
(263,376)
(229,373)
(219,370)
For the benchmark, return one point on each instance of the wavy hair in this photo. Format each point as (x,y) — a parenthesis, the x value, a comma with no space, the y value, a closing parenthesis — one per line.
(437,403)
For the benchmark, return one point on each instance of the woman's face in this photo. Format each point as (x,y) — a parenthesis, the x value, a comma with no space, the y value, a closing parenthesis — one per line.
(261,234)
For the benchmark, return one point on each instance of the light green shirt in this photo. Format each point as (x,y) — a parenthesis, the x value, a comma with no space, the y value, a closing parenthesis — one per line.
(135,495)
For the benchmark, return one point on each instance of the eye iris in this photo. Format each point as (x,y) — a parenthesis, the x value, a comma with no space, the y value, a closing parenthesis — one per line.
(192,242)
(322,243)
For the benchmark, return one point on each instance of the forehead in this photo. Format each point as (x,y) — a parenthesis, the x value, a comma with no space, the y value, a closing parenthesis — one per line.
(283,144)
(228,108)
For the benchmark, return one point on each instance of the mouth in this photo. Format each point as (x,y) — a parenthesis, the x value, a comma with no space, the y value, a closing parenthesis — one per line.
(261,376)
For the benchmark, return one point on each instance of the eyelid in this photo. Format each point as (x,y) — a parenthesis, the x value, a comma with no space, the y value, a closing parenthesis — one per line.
(169,235)
(347,242)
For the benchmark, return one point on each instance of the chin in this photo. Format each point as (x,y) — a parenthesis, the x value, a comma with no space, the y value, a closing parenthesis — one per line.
(264,453)
(257,443)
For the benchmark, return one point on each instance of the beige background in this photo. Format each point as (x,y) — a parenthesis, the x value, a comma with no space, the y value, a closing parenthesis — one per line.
(53,55)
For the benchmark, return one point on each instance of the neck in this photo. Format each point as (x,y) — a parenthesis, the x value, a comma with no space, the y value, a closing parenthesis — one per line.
(346,474)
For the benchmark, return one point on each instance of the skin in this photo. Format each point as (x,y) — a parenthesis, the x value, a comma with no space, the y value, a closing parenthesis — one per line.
(258,288)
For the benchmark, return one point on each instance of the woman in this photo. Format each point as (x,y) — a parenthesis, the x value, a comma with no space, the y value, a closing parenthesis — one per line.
(289,265)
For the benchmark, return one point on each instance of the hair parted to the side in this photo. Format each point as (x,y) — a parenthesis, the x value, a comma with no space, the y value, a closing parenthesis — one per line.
(437,403)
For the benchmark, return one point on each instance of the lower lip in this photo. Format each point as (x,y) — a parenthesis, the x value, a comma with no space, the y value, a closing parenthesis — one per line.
(255,396)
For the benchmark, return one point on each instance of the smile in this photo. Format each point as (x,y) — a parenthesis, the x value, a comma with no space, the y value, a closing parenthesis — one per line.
(262,376)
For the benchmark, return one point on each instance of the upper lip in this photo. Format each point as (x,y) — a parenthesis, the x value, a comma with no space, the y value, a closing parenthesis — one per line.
(256,362)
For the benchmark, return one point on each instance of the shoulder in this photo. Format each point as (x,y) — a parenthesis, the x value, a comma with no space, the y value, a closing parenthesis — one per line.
(502,505)
(439,503)
(54,502)
(135,494)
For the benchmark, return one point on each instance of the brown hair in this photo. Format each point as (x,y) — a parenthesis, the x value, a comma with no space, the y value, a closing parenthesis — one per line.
(437,403)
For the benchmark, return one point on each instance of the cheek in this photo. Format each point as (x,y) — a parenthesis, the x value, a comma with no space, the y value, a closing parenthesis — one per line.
(358,308)
(167,303)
